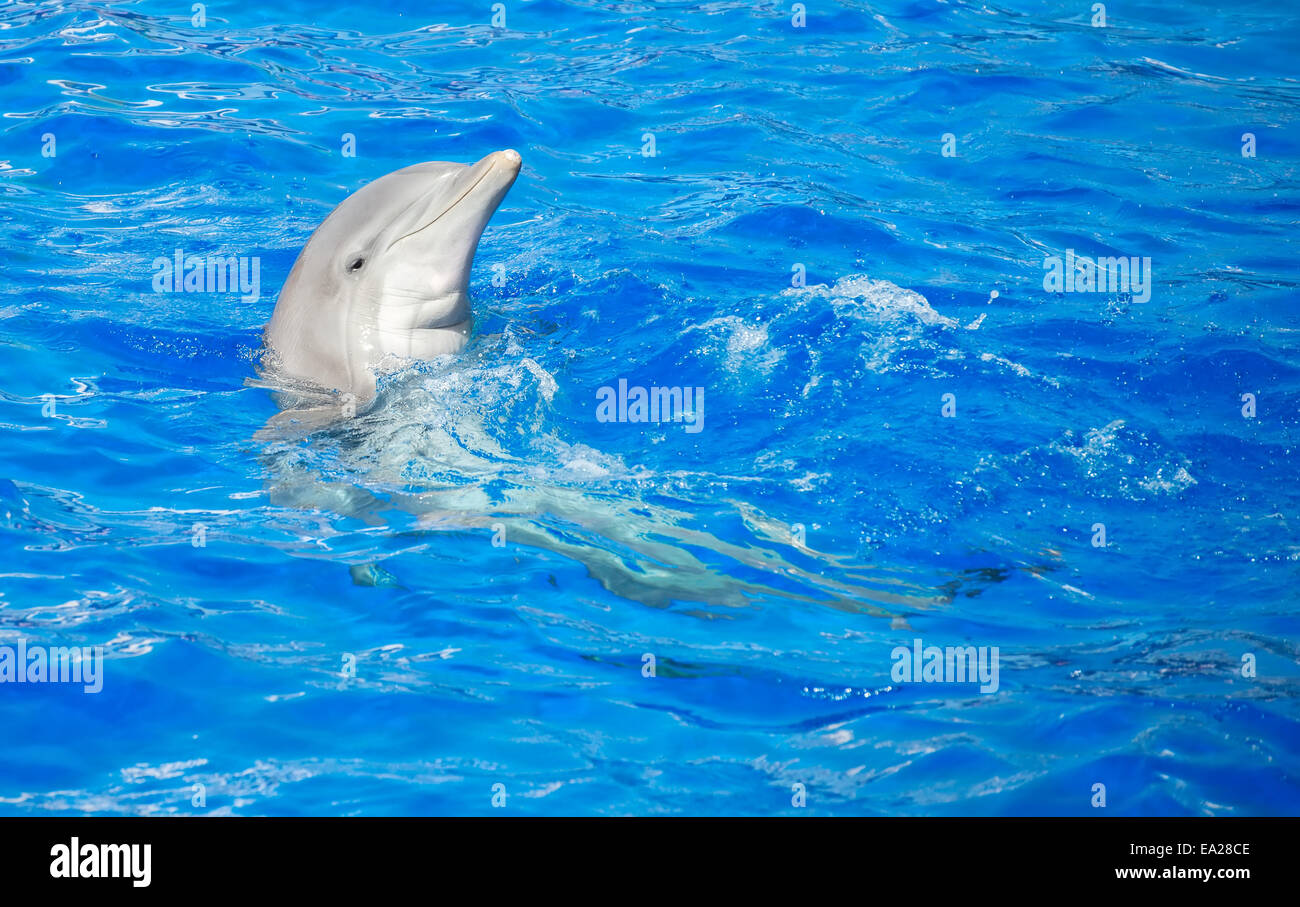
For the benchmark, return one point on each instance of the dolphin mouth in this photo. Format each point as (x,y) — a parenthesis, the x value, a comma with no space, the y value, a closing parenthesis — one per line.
(507,161)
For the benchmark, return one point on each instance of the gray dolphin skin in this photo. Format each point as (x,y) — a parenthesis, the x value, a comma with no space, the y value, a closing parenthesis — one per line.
(385,274)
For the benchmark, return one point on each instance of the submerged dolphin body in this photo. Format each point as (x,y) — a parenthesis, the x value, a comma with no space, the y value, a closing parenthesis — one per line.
(386,274)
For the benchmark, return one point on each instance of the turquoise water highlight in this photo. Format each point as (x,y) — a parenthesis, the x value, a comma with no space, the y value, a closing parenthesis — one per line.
(828,511)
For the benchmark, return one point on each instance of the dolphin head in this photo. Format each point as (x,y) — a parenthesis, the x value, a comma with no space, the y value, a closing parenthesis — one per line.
(387,274)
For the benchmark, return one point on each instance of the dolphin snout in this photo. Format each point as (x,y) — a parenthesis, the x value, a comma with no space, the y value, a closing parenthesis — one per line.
(496,173)
(508,159)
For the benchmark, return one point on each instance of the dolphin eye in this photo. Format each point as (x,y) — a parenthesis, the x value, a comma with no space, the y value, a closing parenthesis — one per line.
(357,264)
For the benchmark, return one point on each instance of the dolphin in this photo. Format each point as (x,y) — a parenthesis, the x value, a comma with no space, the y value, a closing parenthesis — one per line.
(386,274)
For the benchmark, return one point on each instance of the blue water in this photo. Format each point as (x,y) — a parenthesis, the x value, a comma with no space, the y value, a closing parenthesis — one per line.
(827,512)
